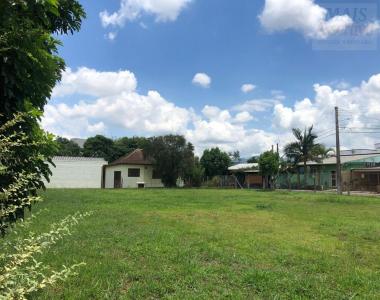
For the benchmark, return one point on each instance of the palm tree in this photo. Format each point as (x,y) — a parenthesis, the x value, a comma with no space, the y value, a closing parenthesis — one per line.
(305,148)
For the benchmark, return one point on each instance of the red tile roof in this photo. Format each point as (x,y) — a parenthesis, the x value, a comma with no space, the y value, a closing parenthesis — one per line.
(134,158)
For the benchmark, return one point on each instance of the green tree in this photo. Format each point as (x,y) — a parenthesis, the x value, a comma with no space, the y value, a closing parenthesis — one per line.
(29,61)
(194,172)
(29,69)
(100,146)
(269,164)
(304,149)
(126,145)
(215,162)
(171,155)
(67,147)
(235,156)
(253,160)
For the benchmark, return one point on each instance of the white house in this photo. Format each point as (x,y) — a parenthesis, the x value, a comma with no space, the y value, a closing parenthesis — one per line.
(131,171)
(76,172)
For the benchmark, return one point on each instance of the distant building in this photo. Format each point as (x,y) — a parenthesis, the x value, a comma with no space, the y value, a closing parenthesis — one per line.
(131,171)
(360,172)
(247,174)
(76,172)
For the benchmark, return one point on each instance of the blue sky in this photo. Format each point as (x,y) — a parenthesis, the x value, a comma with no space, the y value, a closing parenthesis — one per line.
(165,46)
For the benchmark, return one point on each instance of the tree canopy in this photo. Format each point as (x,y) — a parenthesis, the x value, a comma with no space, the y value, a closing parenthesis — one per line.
(269,164)
(29,69)
(172,157)
(67,147)
(29,61)
(215,162)
(305,148)
(100,146)
(126,145)
(253,159)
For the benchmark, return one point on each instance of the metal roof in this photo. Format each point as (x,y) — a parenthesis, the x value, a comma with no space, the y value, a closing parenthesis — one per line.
(77,158)
(344,159)
(244,167)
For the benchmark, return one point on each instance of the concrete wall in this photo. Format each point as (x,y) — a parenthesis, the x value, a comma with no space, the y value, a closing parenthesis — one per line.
(131,182)
(76,173)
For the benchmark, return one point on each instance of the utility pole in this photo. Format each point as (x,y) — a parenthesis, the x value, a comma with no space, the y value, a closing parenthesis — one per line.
(338,162)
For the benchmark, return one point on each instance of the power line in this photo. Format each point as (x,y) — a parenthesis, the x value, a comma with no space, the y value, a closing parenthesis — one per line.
(326,136)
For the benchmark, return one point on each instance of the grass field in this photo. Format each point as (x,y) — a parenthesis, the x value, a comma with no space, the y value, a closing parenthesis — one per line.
(216,244)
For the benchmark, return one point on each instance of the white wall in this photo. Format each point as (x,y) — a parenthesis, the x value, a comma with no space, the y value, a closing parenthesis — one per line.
(76,173)
(131,182)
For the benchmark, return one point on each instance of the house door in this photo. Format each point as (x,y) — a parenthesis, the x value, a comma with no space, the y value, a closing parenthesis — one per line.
(117,183)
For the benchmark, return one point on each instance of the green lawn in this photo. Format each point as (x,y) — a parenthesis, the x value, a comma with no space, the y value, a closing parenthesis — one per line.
(209,244)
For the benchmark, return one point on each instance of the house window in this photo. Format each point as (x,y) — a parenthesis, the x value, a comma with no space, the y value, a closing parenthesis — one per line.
(333,178)
(155,175)
(133,172)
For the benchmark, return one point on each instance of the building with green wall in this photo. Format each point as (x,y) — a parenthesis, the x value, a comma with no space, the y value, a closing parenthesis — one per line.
(359,172)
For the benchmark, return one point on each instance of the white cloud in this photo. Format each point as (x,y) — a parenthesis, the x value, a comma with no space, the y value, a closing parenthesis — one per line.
(360,109)
(111,35)
(117,104)
(202,79)
(259,105)
(92,82)
(131,10)
(371,28)
(243,117)
(248,87)
(303,16)
(96,128)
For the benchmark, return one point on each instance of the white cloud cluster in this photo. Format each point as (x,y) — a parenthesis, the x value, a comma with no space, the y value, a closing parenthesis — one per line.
(216,127)
(372,28)
(118,106)
(131,10)
(202,79)
(92,82)
(304,16)
(360,109)
(247,88)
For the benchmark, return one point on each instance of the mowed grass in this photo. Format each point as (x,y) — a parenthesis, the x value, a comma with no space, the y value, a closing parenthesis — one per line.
(210,244)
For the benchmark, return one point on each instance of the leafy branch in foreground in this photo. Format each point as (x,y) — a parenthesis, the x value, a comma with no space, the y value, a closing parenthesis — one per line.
(23,164)
(21,273)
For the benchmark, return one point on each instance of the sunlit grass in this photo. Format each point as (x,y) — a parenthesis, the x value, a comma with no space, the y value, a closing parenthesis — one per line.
(216,243)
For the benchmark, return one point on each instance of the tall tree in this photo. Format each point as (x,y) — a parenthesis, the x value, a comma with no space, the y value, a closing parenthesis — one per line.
(304,149)
(269,165)
(171,155)
(67,147)
(29,69)
(215,162)
(100,146)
